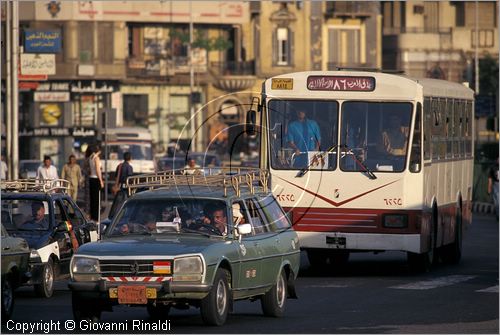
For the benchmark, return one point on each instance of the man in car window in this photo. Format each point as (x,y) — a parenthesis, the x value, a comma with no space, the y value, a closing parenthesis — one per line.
(38,221)
(220,220)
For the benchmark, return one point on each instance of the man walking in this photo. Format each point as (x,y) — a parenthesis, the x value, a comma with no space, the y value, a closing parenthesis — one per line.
(72,173)
(47,171)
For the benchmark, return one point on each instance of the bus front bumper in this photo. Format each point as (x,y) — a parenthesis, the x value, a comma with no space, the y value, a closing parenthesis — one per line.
(360,241)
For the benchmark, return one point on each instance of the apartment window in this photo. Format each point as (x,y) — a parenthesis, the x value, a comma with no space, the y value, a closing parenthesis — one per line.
(282,46)
(486,38)
(135,110)
(86,42)
(106,42)
(459,14)
(344,46)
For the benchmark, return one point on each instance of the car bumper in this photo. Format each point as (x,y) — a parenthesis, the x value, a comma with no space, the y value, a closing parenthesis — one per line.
(164,290)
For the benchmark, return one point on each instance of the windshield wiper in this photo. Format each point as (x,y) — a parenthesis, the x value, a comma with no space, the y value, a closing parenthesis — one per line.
(317,157)
(358,161)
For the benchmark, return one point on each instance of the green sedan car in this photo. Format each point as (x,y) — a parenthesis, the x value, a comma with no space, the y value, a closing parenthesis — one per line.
(15,258)
(183,241)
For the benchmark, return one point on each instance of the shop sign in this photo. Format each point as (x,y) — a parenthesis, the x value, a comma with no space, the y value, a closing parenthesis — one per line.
(54,86)
(57,131)
(38,64)
(51,96)
(42,41)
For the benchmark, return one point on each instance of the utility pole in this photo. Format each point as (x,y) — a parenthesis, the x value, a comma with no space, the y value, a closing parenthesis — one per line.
(8,123)
(15,90)
(476,49)
(191,79)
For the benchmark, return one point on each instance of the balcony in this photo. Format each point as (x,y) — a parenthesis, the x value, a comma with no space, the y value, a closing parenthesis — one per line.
(349,9)
(233,76)
(162,66)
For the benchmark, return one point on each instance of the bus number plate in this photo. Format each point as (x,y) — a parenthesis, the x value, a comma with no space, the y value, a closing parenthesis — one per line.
(337,241)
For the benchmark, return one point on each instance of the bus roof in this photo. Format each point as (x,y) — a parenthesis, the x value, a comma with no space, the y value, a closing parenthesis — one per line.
(360,85)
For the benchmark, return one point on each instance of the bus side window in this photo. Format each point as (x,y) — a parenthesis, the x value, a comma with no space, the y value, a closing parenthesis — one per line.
(427,129)
(415,158)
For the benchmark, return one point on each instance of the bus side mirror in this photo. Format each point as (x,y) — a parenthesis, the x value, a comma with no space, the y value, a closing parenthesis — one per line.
(251,120)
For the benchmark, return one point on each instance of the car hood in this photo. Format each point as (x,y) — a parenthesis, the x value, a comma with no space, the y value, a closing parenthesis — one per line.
(156,245)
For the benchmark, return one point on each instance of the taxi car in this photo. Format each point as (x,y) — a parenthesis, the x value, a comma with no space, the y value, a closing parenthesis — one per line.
(168,247)
(15,258)
(42,213)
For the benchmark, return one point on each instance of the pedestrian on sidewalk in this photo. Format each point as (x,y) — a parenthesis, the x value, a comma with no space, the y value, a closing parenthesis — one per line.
(123,171)
(96,184)
(493,185)
(47,171)
(71,172)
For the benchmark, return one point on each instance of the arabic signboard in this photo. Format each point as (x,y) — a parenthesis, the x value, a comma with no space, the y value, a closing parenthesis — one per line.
(51,96)
(57,131)
(38,64)
(340,83)
(42,41)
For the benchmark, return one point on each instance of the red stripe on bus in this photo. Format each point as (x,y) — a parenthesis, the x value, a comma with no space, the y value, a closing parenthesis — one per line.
(334,203)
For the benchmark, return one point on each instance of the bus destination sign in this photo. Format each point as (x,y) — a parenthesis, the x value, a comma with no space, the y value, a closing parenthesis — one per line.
(340,83)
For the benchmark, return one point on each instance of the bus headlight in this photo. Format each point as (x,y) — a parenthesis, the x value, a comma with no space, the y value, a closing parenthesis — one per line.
(395,221)
(188,269)
(85,269)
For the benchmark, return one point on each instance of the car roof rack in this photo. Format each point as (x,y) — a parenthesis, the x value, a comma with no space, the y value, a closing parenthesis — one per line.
(35,185)
(235,178)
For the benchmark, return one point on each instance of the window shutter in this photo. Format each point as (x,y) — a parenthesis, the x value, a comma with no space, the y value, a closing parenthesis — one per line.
(291,47)
(275,47)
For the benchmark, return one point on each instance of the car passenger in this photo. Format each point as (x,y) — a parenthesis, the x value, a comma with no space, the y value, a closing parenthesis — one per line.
(38,221)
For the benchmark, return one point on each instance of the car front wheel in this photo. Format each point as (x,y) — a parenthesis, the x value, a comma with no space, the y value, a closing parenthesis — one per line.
(273,302)
(215,306)
(7,299)
(46,288)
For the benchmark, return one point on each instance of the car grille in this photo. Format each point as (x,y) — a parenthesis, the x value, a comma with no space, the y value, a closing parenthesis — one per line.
(132,267)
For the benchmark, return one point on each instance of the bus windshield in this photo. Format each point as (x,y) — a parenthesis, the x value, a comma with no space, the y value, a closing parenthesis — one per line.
(301,134)
(138,151)
(374,136)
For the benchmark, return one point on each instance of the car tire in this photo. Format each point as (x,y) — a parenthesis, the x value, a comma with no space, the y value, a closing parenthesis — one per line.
(46,288)
(7,298)
(158,311)
(215,306)
(85,309)
(274,301)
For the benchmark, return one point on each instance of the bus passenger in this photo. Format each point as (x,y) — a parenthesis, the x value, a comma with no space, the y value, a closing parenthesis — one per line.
(303,136)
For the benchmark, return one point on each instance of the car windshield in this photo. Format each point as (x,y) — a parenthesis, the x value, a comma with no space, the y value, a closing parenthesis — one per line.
(182,216)
(171,164)
(29,166)
(25,215)
(206,160)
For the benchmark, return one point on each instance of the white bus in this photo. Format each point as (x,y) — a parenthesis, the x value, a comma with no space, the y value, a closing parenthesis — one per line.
(136,140)
(385,162)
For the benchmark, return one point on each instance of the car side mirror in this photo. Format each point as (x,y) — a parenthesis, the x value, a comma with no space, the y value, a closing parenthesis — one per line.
(244,228)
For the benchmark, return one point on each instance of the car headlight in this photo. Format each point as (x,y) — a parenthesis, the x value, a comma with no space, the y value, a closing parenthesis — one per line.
(85,269)
(188,268)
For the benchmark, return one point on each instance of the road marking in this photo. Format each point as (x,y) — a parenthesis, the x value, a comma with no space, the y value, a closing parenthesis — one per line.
(493,289)
(328,286)
(434,283)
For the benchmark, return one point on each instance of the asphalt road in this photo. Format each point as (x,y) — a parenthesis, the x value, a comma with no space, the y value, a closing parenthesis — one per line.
(372,294)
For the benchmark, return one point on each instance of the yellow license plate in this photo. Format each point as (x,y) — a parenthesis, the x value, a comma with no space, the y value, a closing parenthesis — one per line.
(282,84)
(132,294)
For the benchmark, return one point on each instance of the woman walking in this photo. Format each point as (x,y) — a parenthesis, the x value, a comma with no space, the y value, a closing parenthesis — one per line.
(96,183)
